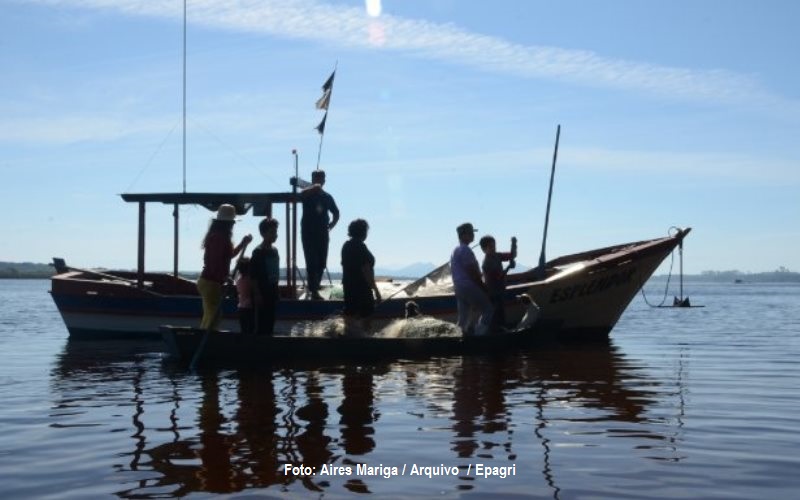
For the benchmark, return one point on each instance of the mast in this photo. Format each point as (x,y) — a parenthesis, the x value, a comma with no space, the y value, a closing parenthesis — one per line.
(184,96)
(176,208)
(542,260)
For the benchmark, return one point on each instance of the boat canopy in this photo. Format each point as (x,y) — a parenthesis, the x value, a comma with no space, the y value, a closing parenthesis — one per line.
(260,203)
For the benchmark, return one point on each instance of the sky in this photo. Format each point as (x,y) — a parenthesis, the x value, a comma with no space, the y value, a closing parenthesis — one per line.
(672,114)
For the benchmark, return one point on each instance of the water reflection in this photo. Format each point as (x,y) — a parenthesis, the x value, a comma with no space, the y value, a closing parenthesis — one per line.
(230,431)
(256,430)
(357,411)
(313,444)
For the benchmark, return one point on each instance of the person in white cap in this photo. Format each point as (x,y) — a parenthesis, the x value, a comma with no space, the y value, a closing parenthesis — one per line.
(471,293)
(218,253)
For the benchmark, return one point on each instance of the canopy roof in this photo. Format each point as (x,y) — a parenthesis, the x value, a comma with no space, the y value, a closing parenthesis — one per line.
(262,202)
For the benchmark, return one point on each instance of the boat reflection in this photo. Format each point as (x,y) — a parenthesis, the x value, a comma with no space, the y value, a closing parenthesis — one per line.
(231,431)
(490,393)
(86,360)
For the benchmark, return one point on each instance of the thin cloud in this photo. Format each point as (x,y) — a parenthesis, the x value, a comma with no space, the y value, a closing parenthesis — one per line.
(712,165)
(352,27)
(75,128)
(729,166)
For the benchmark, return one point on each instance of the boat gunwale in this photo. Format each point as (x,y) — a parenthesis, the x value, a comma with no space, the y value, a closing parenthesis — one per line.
(515,281)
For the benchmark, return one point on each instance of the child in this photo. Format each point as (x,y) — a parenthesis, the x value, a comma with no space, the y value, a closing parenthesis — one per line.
(494,276)
(264,271)
(244,290)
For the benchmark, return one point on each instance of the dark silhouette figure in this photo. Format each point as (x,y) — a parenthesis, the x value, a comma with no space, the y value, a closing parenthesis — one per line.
(315,226)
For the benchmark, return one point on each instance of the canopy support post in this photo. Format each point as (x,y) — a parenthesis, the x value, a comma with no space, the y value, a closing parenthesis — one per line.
(288,249)
(176,215)
(140,259)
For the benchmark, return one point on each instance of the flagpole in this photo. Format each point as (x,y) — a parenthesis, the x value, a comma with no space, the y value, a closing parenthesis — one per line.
(325,102)
(321,136)
(294,225)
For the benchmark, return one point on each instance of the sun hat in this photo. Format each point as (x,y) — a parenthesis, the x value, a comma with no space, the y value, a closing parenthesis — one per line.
(226,212)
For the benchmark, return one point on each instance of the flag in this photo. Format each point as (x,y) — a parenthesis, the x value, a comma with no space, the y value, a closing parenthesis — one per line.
(329,82)
(327,88)
(322,102)
(325,100)
(321,126)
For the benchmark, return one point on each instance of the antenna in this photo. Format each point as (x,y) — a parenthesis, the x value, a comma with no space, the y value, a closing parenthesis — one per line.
(184,96)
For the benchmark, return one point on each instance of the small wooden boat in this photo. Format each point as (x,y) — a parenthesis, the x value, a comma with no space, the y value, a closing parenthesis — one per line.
(235,349)
(582,294)
(580,297)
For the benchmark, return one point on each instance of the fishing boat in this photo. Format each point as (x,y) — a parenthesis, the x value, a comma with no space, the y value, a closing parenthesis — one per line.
(579,295)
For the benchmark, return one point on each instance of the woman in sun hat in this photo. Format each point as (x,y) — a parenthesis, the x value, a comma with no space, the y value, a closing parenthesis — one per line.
(218,253)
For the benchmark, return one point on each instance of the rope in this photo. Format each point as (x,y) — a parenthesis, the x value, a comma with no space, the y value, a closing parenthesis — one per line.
(669,277)
(258,170)
(150,160)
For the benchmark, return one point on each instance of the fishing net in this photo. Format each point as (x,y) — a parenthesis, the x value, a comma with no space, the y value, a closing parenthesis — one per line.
(437,282)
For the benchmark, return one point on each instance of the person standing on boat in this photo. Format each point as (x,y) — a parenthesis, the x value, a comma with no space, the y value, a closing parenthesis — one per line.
(315,226)
(265,274)
(358,275)
(494,276)
(218,251)
(471,294)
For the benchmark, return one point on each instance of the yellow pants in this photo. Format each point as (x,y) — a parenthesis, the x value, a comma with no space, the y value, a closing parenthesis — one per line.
(211,293)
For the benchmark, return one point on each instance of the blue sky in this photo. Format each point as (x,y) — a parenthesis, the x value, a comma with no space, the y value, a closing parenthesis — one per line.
(682,113)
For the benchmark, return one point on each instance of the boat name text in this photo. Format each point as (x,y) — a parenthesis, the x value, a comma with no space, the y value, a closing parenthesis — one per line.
(591,287)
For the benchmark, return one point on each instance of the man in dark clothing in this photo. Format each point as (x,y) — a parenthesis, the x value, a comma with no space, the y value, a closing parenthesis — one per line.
(314,229)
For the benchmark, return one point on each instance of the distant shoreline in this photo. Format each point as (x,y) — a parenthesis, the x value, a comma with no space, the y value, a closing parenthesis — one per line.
(780,276)
(29,270)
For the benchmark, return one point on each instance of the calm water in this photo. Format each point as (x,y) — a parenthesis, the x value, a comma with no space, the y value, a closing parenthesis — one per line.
(697,403)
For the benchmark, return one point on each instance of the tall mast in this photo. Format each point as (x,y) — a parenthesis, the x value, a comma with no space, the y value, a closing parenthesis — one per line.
(176,209)
(542,260)
(184,96)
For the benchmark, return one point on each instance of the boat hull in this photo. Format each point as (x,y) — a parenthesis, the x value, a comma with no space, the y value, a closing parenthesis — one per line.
(91,312)
(225,349)
(581,295)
